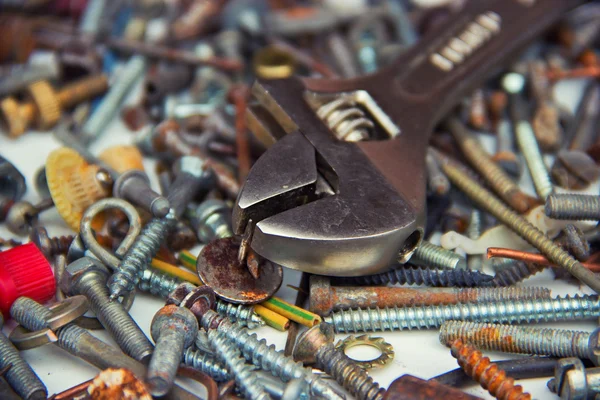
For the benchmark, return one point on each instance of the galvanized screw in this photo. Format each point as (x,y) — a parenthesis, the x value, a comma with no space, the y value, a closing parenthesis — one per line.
(206,362)
(20,375)
(134,186)
(524,339)
(173,330)
(431,256)
(211,220)
(316,346)
(88,277)
(50,246)
(555,309)
(576,207)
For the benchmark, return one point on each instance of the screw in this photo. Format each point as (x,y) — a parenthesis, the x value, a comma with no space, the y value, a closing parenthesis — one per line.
(523,339)
(482,370)
(316,346)
(573,381)
(505,156)
(573,240)
(295,389)
(545,121)
(108,107)
(134,186)
(211,220)
(22,215)
(325,298)
(515,273)
(50,247)
(431,256)
(173,330)
(574,170)
(207,363)
(46,104)
(395,318)
(576,207)
(437,182)
(20,375)
(495,176)
(87,277)
(421,276)
(474,261)
(514,84)
(488,202)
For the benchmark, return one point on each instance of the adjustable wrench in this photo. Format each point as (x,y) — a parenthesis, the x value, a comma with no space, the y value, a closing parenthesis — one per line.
(327,206)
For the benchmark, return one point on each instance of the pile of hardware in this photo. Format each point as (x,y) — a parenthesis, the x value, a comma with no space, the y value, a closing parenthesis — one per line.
(414,160)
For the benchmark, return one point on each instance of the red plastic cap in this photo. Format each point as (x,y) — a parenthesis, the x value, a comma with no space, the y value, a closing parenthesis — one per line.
(24,271)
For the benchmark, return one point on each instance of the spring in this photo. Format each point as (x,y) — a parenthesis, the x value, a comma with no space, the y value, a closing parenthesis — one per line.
(347,121)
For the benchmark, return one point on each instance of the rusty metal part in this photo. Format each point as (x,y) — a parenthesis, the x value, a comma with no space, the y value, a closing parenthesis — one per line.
(531,257)
(386,350)
(113,383)
(485,372)
(72,393)
(478,118)
(573,240)
(574,169)
(409,387)
(211,386)
(218,267)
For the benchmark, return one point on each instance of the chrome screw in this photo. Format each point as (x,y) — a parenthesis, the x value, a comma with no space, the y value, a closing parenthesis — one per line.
(424,317)
(315,346)
(20,376)
(206,362)
(211,220)
(88,277)
(524,339)
(576,207)
(173,330)
(431,256)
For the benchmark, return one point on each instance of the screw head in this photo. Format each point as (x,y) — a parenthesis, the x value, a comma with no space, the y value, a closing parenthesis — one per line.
(20,216)
(311,341)
(594,347)
(75,271)
(175,318)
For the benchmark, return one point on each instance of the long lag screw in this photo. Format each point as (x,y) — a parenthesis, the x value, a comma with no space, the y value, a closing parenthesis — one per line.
(424,317)
(577,207)
(523,339)
(482,370)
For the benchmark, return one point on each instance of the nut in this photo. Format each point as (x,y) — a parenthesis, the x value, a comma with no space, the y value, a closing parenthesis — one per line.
(78,269)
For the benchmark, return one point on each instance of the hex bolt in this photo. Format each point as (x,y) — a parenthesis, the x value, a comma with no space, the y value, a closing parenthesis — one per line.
(576,207)
(98,121)
(325,298)
(88,277)
(134,186)
(192,175)
(211,220)
(46,104)
(495,176)
(426,317)
(421,276)
(431,256)
(523,339)
(315,346)
(20,375)
(488,202)
(22,215)
(173,330)
(514,84)
(50,246)
(489,376)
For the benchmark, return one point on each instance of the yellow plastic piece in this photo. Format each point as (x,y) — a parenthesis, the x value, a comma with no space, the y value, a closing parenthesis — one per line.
(122,158)
(272,319)
(74,184)
(176,271)
(273,63)
(188,260)
(48,104)
(292,312)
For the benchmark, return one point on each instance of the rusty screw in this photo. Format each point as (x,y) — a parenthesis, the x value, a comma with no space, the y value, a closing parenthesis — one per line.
(482,370)
(46,104)
(50,246)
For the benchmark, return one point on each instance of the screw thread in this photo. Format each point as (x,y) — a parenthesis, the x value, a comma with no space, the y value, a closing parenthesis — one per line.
(268,358)
(422,276)
(501,294)
(206,363)
(578,207)
(165,361)
(116,320)
(69,337)
(29,313)
(348,374)
(482,370)
(140,255)
(81,90)
(60,244)
(533,158)
(158,283)
(515,273)
(508,311)
(236,365)
(432,256)
(517,339)
(240,313)
(20,376)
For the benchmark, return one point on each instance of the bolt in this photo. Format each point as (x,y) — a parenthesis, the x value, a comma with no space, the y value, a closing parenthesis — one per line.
(325,298)
(421,276)
(205,362)
(6,392)
(211,220)
(573,381)
(192,175)
(495,176)
(573,240)
(488,202)
(315,346)
(524,339)
(20,375)
(134,186)
(489,376)
(173,330)
(509,311)
(110,104)
(22,215)
(50,247)
(46,104)
(577,207)
(88,277)
(514,84)
(431,256)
